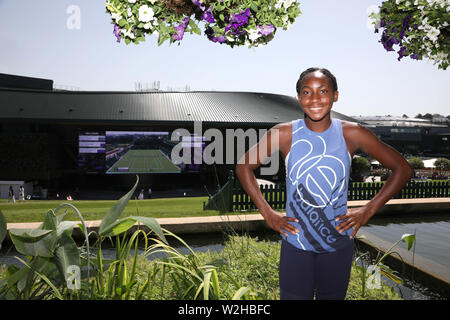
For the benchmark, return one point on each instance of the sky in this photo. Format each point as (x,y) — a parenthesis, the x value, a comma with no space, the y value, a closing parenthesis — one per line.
(36,42)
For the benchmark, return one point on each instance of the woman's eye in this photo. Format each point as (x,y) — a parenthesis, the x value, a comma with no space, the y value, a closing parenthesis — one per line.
(323,91)
(305,93)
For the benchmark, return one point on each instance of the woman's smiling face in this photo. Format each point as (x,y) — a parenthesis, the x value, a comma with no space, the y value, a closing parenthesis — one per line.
(317,96)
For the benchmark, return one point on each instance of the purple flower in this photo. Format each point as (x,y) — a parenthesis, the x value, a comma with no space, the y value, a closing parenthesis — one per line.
(208,16)
(237,21)
(406,22)
(117,32)
(414,56)
(382,23)
(394,40)
(180,29)
(387,43)
(401,53)
(221,39)
(266,29)
(199,4)
(212,37)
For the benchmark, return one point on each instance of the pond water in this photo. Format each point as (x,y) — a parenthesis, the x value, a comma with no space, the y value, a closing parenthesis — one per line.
(432,233)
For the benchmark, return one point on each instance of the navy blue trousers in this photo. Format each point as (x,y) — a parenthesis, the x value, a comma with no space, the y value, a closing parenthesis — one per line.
(304,274)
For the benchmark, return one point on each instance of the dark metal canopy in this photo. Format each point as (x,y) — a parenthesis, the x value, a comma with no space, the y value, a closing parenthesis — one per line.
(213,107)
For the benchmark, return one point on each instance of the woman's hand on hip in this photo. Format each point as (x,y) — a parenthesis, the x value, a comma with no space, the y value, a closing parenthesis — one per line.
(280,222)
(354,218)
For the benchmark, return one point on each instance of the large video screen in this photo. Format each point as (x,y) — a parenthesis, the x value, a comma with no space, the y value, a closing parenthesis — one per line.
(91,152)
(138,152)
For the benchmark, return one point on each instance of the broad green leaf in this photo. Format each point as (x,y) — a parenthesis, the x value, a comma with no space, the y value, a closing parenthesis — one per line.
(50,221)
(66,254)
(65,227)
(114,213)
(152,224)
(34,242)
(3,230)
(122,22)
(29,235)
(119,227)
(409,238)
(14,274)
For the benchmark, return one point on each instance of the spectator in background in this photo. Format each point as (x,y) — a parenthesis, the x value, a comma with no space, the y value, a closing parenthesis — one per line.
(21,194)
(11,195)
(141,195)
(149,193)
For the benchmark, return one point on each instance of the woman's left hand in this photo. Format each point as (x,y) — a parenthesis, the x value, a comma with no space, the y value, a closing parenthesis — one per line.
(354,218)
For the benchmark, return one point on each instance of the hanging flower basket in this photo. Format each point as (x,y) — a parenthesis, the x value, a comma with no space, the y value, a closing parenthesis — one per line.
(231,22)
(416,28)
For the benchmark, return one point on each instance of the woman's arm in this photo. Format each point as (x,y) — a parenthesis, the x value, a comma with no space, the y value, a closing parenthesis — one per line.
(358,137)
(276,139)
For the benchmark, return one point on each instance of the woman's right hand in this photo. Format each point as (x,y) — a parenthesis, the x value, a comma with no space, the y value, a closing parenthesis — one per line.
(280,222)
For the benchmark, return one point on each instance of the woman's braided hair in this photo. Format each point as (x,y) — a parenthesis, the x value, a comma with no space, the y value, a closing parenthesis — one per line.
(324,71)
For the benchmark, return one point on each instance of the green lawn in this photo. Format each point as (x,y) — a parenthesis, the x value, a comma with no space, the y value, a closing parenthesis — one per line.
(144,161)
(34,210)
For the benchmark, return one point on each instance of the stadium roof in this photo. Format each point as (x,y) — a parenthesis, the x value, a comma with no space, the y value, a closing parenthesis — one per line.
(107,106)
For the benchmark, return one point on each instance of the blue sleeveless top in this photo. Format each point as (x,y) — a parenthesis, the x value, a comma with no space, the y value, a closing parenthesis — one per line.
(317,173)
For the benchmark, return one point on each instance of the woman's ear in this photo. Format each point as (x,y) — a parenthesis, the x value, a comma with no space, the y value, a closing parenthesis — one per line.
(299,98)
(336,95)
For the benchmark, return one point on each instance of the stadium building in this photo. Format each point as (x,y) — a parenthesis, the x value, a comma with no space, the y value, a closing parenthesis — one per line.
(410,136)
(92,144)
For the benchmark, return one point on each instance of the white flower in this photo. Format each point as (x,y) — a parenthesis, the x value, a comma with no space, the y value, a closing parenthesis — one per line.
(132,1)
(253,35)
(128,33)
(146,14)
(116,16)
(153,1)
(284,3)
(433,34)
(288,3)
(129,13)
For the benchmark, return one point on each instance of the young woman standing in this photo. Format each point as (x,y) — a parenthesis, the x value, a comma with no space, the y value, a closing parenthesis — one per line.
(318,229)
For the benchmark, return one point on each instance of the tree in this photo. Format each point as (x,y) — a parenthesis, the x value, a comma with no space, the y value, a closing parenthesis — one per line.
(416,163)
(360,167)
(442,164)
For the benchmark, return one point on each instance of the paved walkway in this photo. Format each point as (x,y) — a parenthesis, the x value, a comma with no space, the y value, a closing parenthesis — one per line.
(194,224)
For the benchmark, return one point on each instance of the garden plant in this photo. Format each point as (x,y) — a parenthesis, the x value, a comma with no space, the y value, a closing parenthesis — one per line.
(418,29)
(144,264)
(231,22)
